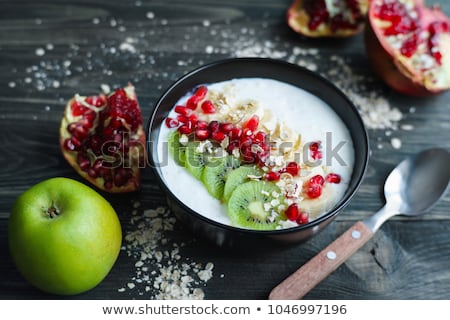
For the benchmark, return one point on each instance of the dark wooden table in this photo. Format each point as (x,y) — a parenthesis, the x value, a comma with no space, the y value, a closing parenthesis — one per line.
(50,50)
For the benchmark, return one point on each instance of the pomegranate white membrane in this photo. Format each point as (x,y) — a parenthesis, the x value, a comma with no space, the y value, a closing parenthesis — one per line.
(316,138)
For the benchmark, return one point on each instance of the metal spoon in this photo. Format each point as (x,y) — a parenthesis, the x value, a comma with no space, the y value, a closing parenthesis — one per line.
(412,188)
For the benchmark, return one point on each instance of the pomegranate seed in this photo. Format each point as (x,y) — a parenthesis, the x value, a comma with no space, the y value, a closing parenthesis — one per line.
(202,125)
(235,133)
(83,162)
(316,155)
(232,145)
(303,218)
(218,136)
(91,172)
(182,110)
(314,146)
(333,178)
(208,107)
(200,93)
(226,127)
(202,134)
(192,103)
(272,176)
(183,119)
(292,168)
(260,136)
(292,212)
(77,108)
(95,101)
(317,179)
(171,123)
(252,123)
(185,129)
(213,126)
(314,190)
(193,118)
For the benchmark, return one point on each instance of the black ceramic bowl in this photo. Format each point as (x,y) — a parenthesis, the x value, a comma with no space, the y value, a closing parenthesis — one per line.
(225,235)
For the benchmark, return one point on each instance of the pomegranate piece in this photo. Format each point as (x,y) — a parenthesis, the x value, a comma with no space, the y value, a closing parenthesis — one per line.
(408,45)
(292,212)
(320,18)
(102,138)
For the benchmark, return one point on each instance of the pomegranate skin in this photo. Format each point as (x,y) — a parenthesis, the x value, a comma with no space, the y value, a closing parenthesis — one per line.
(298,20)
(391,68)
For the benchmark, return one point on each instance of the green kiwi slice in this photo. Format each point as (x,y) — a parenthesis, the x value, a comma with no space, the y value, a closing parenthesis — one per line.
(194,161)
(246,205)
(215,174)
(176,149)
(238,177)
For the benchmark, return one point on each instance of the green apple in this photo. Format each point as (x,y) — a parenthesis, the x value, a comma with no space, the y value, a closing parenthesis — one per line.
(64,237)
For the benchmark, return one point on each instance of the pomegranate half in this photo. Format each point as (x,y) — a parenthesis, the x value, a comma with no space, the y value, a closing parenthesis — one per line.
(408,45)
(327,18)
(102,138)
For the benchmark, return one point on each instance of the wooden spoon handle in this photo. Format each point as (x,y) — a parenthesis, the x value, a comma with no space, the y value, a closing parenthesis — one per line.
(319,267)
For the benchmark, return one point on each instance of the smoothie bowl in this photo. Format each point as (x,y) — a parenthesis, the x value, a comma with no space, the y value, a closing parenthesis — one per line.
(254,149)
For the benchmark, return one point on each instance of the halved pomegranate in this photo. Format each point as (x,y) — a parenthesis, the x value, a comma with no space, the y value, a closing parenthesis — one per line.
(408,45)
(327,18)
(102,138)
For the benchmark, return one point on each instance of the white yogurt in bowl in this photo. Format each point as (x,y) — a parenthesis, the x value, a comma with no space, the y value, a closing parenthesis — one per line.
(300,127)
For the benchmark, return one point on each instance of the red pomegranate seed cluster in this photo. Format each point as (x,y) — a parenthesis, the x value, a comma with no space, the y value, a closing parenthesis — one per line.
(294,214)
(403,23)
(113,117)
(318,14)
(315,150)
(292,168)
(314,186)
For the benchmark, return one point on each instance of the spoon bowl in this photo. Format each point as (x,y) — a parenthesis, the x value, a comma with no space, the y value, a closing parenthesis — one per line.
(419,181)
(411,189)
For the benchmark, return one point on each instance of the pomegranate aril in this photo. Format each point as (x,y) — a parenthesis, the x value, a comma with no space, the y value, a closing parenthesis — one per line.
(252,123)
(192,102)
(317,12)
(182,110)
(303,218)
(317,179)
(235,133)
(314,191)
(193,118)
(333,178)
(409,47)
(260,137)
(182,118)
(171,123)
(213,126)
(292,168)
(314,146)
(83,162)
(218,136)
(208,107)
(226,127)
(185,129)
(292,212)
(272,176)
(77,108)
(232,145)
(121,176)
(202,134)
(202,125)
(200,93)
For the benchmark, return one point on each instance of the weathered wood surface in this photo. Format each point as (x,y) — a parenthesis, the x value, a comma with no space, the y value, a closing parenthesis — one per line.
(151,43)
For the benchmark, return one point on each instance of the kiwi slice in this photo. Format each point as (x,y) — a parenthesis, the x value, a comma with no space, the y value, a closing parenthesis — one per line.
(215,174)
(238,177)
(246,205)
(194,161)
(176,149)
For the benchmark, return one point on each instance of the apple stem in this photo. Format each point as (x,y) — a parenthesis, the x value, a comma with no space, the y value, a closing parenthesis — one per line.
(53,211)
